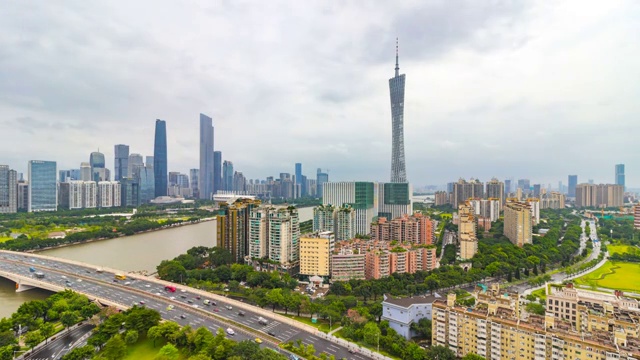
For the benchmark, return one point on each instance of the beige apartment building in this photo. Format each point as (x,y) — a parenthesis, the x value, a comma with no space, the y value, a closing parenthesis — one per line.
(315,254)
(346,265)
(518,222)
(467,231)
(599,195)
(495,329)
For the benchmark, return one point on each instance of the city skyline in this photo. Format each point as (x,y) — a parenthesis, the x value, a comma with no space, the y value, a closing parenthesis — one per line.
(516,77)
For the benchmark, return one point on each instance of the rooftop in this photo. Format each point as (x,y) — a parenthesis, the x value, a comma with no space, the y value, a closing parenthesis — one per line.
(406,302)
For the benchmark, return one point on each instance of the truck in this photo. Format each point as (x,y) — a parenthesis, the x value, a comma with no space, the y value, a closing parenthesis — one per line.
(39,275)
(170,288)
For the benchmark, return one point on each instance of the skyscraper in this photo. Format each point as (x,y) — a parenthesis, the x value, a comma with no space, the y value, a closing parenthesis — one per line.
(321,178)
(149,161)
(573,182)
(85,171)
(396,91)
(217,171)
(194,174)
(299,174)
(134,164)
(620,175)
(507,186)
(205,180)
(8,188)
(121,165)
(160,158)
(98,171)
(43,190)
(147,184)
(227,174)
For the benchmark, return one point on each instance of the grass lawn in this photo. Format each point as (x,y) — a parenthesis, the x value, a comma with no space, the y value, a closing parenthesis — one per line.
(618,249)
(3,239)
(322,325)
(540,293)
(144,350)
(618,275)
(372,348)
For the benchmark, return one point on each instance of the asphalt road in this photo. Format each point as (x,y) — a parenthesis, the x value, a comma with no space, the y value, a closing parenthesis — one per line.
(188,308)
(62,344)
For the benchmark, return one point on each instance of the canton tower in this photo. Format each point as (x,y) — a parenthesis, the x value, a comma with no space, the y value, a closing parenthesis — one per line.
(396,91)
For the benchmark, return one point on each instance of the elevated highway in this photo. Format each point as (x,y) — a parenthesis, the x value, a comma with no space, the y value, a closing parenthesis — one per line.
(185,306)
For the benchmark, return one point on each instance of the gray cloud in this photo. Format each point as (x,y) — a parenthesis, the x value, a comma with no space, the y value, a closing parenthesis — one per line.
(495,88)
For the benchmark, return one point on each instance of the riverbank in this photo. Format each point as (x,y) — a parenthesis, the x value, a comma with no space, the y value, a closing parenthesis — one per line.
(119,235)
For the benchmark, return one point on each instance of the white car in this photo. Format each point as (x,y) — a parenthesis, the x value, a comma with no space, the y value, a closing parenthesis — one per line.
(183,290)
(230,331)
(148,285)
(172,298)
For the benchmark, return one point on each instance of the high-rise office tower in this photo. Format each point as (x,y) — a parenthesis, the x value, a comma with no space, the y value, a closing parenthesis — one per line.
(43,190)
(217,171)
(507,186)
(227,174)
(121,165)
(160,158)
(321,179)
(194,175)
(149,161)
(97,162)
(205,180)
(620,175)
(299,174)
(134,164)
(8,188)
(573,182)
(147,184)
(396,91)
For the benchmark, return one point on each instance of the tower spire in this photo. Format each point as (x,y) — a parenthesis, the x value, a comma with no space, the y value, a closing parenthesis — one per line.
(397,66)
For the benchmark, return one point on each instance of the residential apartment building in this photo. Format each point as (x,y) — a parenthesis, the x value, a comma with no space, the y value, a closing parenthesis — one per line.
(402,312)
(233,227)
(495,190)
(109,193)
(487,208)
(636,216)
(382,259)
(463,191)
(441,198)
(315,254)
(518,222)
(534,205)
(284,236)
(43,187)
(495,328)
(376,264)
(8,190)
(323,218)
(345,223)
(360,195)
(89,194)
(552,200)
(259,232)
(23,195)
(76,194)
(414,229)
(347,264)
(467,231)
(600,195)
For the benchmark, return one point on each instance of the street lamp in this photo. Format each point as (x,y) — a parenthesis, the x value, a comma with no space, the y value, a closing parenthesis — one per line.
(329,323)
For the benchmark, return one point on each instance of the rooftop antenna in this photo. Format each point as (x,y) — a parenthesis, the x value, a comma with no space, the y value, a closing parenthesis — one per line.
(397,66)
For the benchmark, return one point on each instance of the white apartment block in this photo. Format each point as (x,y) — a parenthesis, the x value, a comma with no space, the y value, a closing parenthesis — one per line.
(90,194)
(76,194)
(284,236)
(259,232)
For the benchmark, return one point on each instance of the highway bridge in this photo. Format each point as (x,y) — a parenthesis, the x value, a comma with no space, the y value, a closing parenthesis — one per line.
(186,305)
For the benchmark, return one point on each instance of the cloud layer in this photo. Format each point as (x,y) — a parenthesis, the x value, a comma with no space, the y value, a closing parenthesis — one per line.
(494,88)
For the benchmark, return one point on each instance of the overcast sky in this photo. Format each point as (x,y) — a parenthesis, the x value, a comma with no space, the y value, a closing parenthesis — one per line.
(494,88)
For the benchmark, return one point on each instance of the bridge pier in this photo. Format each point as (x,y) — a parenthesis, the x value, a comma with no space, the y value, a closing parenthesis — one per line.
(20,287)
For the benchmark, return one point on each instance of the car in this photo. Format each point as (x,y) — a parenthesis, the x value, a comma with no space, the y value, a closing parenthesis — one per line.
(158,294)
(183,316)
(270,332)
(190,301)
(141,302)
(64,277)
(353,351)
(198,297)
(230,331)
(183,296)
(128,283)
(148,285)
(172,298)
(183,290)
(170,307)
(214,303)
(240,313)
(115,280)
(79,280)
(87,271)
(258,340)
(228,307)
(195,305)
(216,310)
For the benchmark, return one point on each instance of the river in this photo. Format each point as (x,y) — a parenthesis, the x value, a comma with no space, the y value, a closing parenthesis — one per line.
(137,252)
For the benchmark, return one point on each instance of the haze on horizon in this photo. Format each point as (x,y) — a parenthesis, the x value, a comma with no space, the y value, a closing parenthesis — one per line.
(534,90)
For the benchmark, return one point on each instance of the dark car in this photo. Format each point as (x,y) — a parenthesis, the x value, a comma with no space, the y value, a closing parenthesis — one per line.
(190,301)
(271,333)
(198,297)
(183,296)
(183,316)
(240,313)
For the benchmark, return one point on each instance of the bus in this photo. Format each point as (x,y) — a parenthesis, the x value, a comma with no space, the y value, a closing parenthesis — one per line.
(120,277)
(170,288)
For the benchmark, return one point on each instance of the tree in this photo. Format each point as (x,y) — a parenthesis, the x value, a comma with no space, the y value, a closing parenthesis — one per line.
(68,318)
(440,353)
(371,333)
(115,348)
(246,349)
(472,356)
(535,308)
(154,333)
(82,353)
(172,271)
(423,328)
(142,319)
(131,337)
(47,329)
(274,298)
(168,352)
(33,338)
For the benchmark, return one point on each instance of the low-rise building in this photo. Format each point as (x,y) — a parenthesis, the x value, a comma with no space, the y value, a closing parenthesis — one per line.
(402,312)
(346,265)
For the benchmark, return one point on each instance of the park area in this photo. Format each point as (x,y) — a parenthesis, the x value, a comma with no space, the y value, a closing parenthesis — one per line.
(614,275)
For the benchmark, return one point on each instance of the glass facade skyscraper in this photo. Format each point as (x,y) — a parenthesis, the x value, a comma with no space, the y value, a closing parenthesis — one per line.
(227,174)
(573,182)
(620,175)
(160,158)
(217,171)
(121,163)
(147,184)
(321,178)
(43,190)
(396,91)
(205,181)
